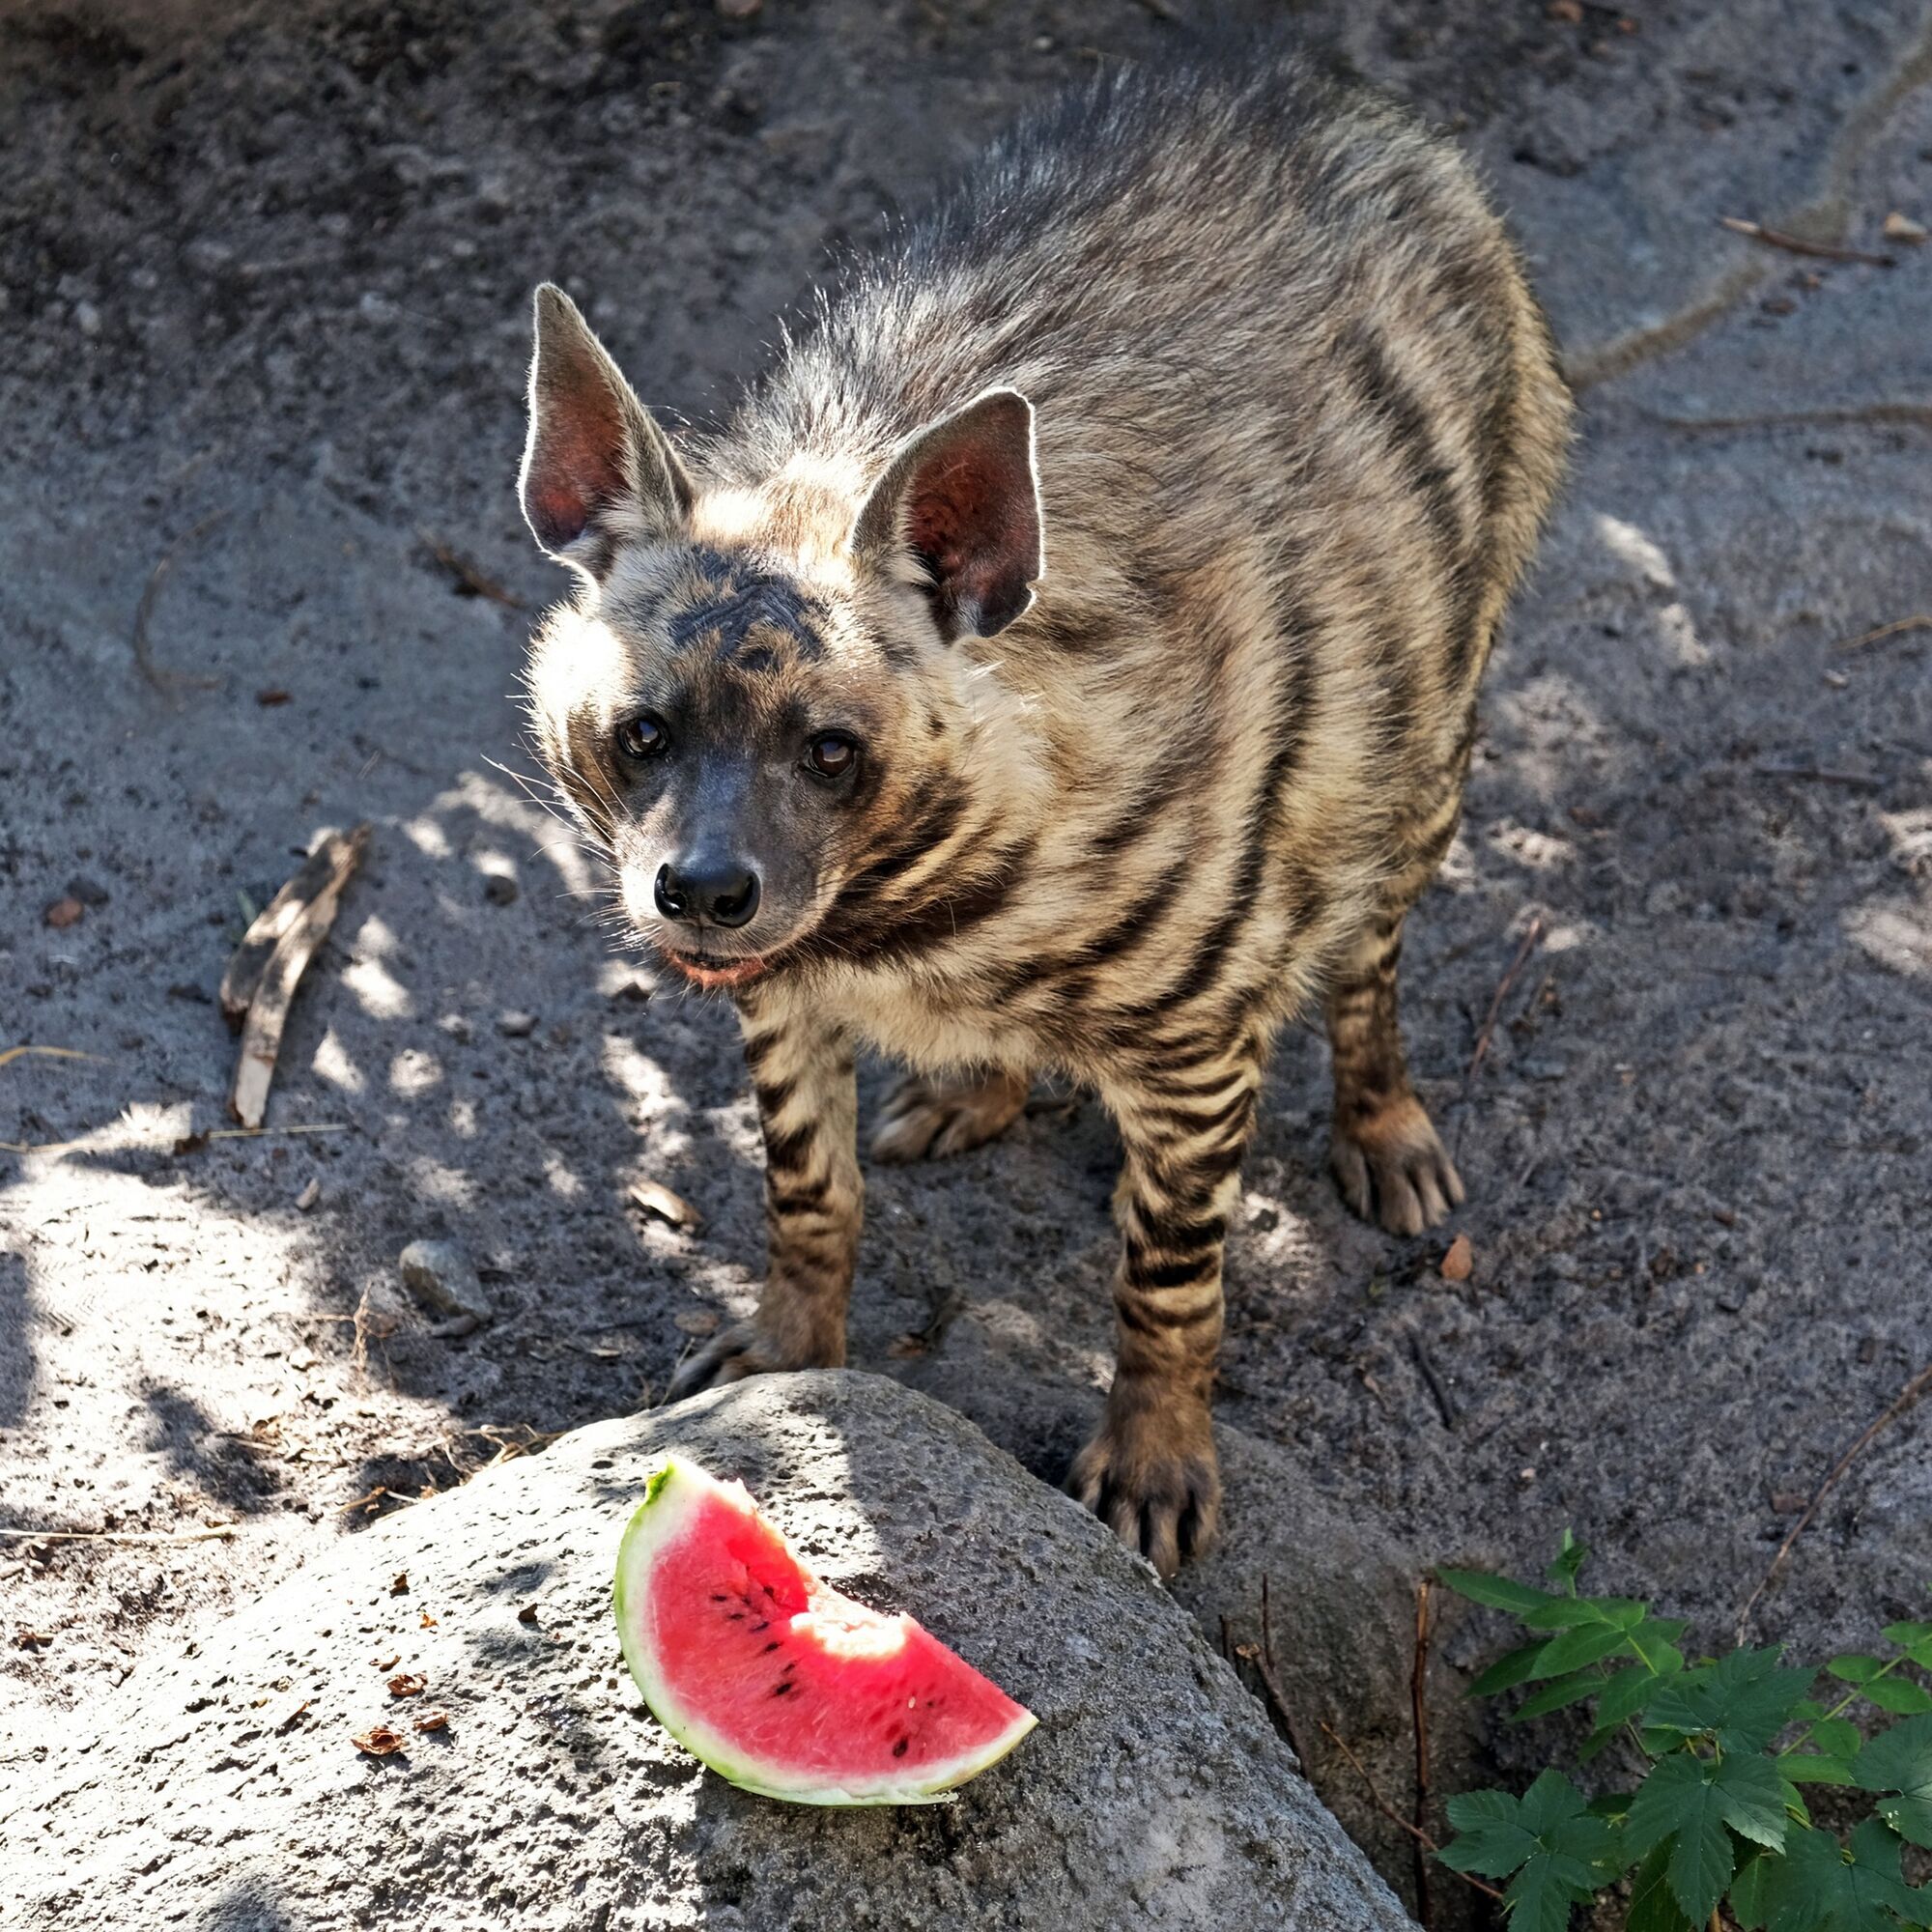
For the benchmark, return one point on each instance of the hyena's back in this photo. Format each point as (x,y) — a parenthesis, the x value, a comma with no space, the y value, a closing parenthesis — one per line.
(1300,420)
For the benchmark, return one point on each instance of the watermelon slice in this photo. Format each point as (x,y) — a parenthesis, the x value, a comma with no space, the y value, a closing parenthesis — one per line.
(778,1682)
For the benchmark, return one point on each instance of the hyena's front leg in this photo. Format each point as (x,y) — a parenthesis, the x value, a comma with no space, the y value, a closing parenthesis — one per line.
(807,1106)
(1387,1158)
(1151,1472)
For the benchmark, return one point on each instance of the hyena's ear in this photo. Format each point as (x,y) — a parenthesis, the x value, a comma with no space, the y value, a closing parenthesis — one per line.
(596,468)
(960,498)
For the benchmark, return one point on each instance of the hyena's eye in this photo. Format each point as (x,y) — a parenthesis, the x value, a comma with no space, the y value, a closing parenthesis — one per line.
(831,754)
(644,737)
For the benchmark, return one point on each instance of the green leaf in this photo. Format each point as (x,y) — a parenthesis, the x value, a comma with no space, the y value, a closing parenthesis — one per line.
(1570,1556)
(1855,1669)
(1575,1855)
(1625,1694)
(1819,1886)
(1897,1694)
(1744,1700)
(1560,1855)
(1491,1840)
(1563,1613)
(1540,1896)
(1751,1903)
(1838,1735)
(1652,1641)
(1814,1768)
(1652,1909)
(1550,1801)
(1575,1648)
(1553,1697)
(1499,1593)
(1685,1804)
(1516,1668)
(1900,1761)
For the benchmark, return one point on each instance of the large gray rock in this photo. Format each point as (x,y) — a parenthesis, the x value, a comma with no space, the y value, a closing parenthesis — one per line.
(224,1789)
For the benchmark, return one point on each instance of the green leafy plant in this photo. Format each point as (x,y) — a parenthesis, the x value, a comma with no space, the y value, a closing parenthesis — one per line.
(1725,1747)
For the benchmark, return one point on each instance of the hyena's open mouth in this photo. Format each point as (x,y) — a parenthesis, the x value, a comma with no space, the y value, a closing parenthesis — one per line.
(704,972)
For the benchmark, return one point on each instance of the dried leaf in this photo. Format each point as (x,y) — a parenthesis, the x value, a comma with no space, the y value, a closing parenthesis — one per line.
(428,1621)
(63,913)
(696,1320)
(387,1664)
(658,1200)
(406,1684)
(400,1587)
(379,1741)
(1459,1263)
(433,1721)
(527,1614)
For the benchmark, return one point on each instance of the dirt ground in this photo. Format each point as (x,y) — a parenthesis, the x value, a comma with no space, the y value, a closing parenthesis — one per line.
(264,284)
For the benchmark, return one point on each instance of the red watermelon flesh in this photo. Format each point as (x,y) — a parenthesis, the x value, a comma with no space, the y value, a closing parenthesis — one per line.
(777,1681)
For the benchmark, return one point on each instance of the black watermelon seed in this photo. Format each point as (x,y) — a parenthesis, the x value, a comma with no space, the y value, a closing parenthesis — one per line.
(900,1748)
(780,1687)
(772,1646)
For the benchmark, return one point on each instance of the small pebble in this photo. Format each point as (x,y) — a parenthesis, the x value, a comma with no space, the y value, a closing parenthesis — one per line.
(1902,228)
(444,1278)
(500,889)
(63,913)
(1459,1263)
(309,1195)
(514,1025)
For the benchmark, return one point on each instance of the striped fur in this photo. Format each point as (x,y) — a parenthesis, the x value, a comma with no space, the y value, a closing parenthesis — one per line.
(1297,421)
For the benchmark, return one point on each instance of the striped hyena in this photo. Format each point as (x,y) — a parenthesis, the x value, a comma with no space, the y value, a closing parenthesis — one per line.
(1067,658)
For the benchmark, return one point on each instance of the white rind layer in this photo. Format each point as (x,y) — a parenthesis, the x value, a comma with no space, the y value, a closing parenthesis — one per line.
(671,1492)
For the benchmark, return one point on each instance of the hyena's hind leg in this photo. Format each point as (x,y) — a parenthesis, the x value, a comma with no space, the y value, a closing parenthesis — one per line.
(1385,1150)
(946,1113)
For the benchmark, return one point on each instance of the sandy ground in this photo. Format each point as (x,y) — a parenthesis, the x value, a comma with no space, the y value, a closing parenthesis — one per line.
(263,275)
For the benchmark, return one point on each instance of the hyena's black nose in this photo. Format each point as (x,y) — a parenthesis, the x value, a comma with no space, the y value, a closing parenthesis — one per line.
(707,891)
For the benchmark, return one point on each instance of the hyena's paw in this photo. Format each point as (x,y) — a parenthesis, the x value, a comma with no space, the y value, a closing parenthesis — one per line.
(1393,1169)
(1150,1476)
(746,1349)
(946,1115)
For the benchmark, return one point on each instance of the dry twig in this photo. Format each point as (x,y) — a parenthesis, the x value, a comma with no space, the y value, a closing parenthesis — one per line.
(1271,1683)
(468,579)
(1418,1697)
(223,1535)
(168,683)
(14,1053)
(1394,1816)
(1896,629)
(1796,244)
(1531,939)
(1899,1404)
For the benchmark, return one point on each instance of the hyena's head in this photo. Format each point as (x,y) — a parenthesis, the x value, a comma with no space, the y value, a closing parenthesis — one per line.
(758,693)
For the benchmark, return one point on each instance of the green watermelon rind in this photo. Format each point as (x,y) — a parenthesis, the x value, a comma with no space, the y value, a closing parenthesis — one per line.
(670,1488)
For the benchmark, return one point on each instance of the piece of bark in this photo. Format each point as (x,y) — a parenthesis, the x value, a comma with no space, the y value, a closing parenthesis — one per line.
(658,1200)
(332,858)
(267,1011)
